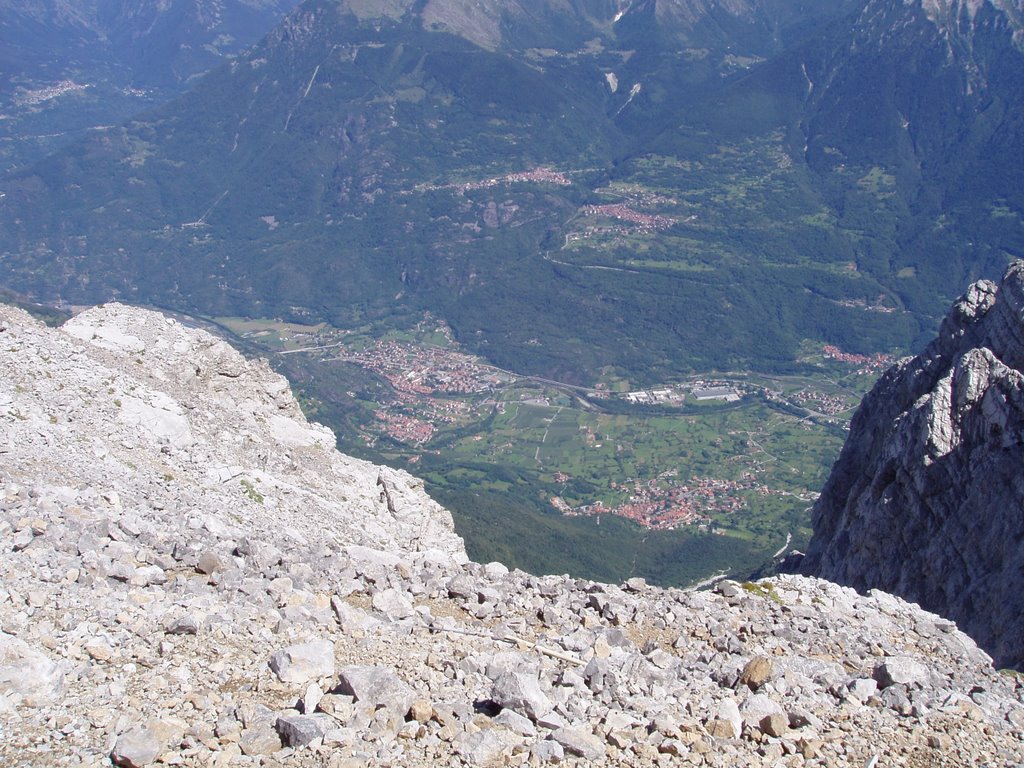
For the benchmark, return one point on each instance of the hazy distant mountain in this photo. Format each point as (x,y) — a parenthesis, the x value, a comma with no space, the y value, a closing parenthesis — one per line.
(732,177)
(918,103)
(66,66)
(154,43)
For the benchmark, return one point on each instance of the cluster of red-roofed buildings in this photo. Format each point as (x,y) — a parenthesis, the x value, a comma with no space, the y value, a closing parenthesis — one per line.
(869,363)
(664,505)
(646,221)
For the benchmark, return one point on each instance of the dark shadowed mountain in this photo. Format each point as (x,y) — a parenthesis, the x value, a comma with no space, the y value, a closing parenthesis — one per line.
(924,95)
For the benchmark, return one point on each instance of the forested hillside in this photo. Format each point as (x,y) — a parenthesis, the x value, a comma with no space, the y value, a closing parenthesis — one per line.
(660,188)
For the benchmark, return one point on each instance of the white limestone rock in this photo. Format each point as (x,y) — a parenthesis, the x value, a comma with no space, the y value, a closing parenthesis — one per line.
(521,692)
(378,687)
(28,676)
(137,748)
(490,747)
(901,670)
(729,712)
(305,662)
(580,741)
(311,540)
(299,730)
(191,409)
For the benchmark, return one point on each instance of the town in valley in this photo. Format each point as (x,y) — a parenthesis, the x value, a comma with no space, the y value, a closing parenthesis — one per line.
(692,453)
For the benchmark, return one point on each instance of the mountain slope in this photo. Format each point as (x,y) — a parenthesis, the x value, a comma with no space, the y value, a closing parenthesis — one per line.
(190,412)
(926,499)
(190,578)
(907,118)
(574,187)
(66,68)
(320,153)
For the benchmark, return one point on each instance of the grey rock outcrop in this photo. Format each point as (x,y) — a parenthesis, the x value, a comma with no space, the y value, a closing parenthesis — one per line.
(301,663)
(136,748)
(927,497)
(133,399)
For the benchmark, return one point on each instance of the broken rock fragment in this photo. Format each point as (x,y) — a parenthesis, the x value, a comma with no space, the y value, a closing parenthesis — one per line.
(305,662)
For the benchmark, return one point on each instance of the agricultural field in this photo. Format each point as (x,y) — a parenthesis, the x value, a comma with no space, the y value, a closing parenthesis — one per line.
(741,204)
(596,481)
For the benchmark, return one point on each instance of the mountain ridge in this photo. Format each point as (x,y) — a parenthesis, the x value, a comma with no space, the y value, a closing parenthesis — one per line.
(323,158)
(925,499)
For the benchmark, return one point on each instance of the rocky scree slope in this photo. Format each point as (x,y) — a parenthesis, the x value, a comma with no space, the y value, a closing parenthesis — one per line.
(191,575)
(927,497)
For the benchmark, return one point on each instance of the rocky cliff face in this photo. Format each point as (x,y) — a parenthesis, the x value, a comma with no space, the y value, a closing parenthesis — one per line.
(191,575)
(927,497)
(172,419)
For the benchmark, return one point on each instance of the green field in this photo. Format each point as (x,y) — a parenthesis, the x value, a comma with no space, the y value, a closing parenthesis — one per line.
(510,459)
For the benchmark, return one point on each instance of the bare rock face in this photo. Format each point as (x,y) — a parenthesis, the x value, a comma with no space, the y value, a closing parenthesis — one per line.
(174,418)
(927,497)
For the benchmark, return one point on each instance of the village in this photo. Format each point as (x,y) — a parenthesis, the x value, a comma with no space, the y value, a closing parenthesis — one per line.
(406,429)
(416,373)
(422,370)
(630,211)
(820,402)
(631,214)
(433,387)
(26,97)
(534,176)
(662,503)
(646,222)
(869,364)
